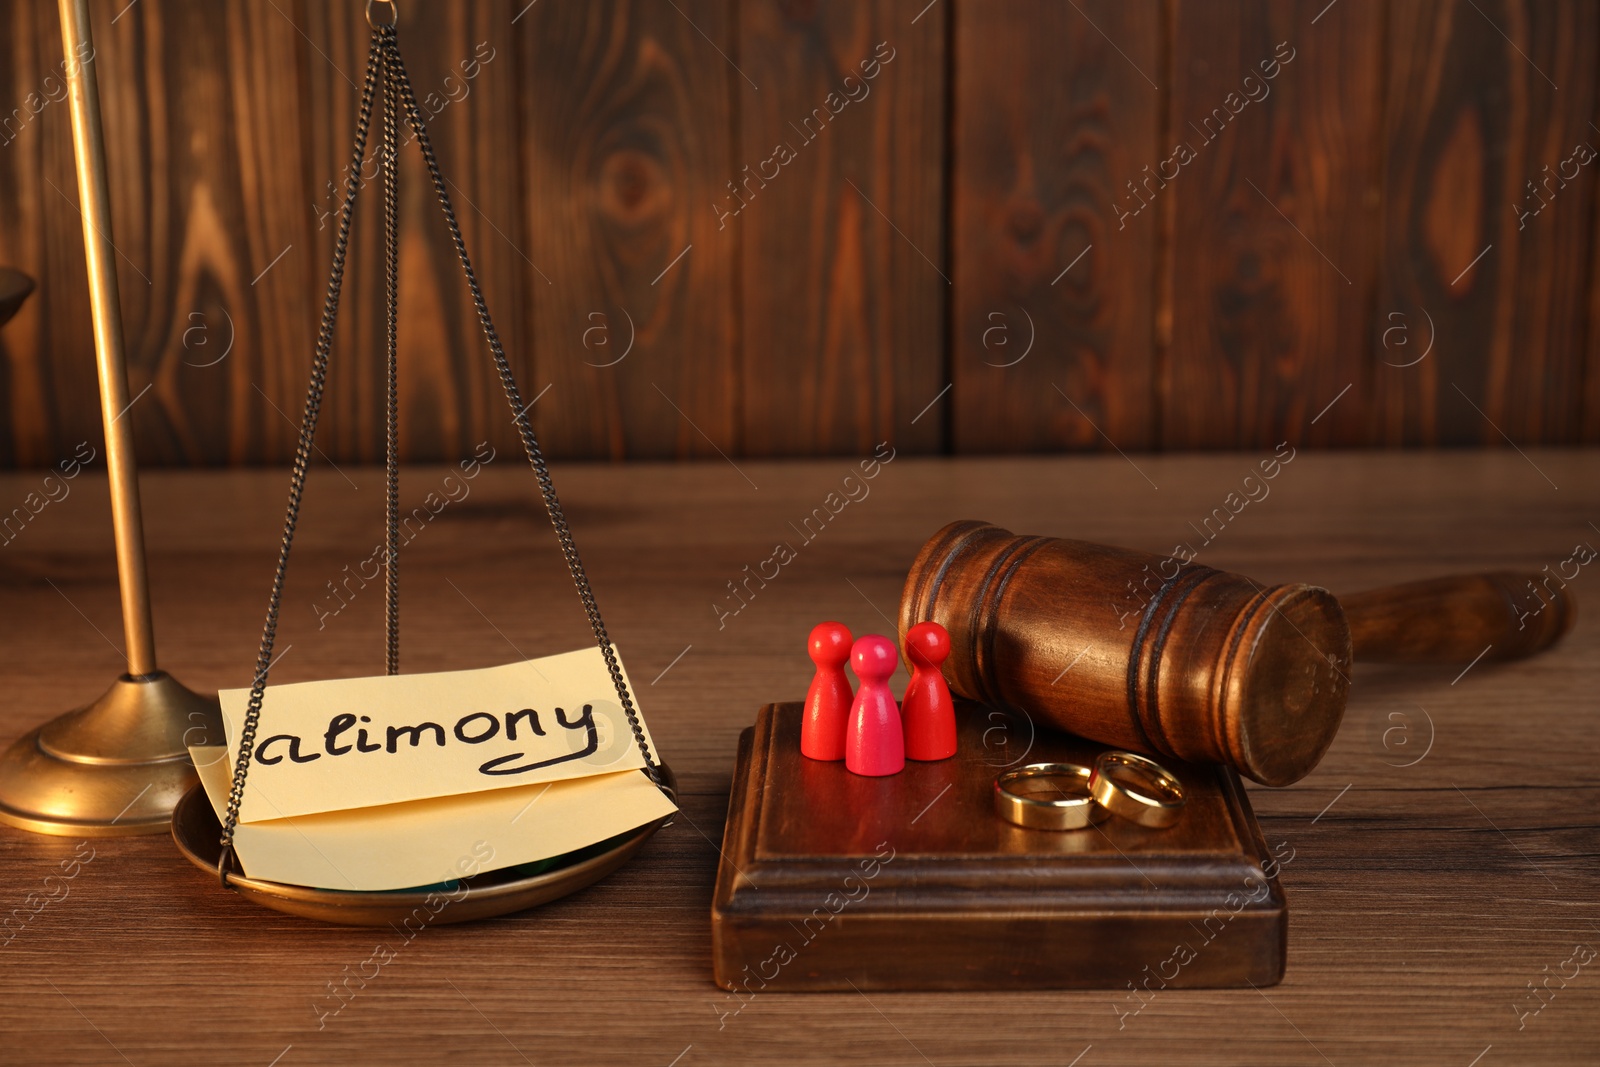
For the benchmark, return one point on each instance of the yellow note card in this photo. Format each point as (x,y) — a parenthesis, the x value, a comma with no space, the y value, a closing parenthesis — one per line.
(422,842)
(353,743)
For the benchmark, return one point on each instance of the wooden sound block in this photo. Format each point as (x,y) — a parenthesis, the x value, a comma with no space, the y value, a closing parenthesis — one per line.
(829,880)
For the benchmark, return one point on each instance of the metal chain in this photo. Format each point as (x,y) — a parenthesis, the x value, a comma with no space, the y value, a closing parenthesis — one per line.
(530,443)
(384,54)
(302,457)
(391,227)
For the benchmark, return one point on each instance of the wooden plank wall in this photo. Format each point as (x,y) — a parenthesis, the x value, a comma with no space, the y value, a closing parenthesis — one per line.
(1053,336)
(791,227)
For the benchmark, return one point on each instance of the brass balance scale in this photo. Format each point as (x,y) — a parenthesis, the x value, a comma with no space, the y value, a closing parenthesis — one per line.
(121,765)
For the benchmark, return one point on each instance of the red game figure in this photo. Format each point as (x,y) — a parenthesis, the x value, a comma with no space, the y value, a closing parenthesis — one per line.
(875,744)
(828,700)
(929,712)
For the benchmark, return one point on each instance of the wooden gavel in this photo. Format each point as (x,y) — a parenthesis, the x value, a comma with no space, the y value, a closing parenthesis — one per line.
(1172,658)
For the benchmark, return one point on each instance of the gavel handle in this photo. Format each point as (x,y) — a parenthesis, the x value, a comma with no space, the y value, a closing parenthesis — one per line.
(1455,619)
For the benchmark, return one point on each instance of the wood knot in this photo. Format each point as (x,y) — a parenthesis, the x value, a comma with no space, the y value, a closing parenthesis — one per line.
(1025,220)
(633,186)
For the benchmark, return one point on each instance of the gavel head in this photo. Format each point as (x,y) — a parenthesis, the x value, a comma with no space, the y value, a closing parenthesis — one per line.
(1144,652)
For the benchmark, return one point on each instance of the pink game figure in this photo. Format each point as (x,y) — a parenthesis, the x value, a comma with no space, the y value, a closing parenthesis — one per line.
(929,712)
(875,744)
(828,700)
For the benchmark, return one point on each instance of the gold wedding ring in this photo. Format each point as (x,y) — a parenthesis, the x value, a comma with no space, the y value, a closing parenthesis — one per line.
(1157,799)
(1032,796)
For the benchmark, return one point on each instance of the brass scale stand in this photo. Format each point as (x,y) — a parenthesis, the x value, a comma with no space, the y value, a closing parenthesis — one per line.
(119,765)
(142,727)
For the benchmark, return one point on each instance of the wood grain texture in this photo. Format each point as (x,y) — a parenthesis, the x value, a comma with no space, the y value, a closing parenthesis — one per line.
(1482,98)
(836,203)
(1424,893)
(34,87)
(467,75)
(1589,431)
(1052,332)
(192,228)
(463,71)
(55,403)
(207,304)
(628,113)
(1271,263)
(926,236)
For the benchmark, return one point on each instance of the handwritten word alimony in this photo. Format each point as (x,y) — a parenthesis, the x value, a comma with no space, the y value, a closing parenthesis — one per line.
(472,729)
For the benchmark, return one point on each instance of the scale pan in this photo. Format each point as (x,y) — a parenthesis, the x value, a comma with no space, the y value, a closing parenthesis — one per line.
(197,833)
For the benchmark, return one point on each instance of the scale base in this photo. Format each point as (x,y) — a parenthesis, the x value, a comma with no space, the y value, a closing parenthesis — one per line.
(113,768)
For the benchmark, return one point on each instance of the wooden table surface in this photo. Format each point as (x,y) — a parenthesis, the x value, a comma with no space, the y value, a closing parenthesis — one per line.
(1444,853)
